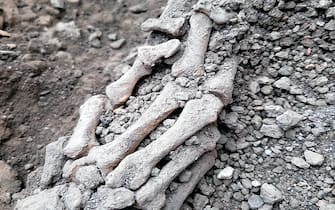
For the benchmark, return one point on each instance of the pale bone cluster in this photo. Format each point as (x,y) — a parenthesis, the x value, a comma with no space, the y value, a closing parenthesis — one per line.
(116,169)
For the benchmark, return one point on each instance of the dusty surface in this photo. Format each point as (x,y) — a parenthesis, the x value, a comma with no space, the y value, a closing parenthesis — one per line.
(43,85)
(286,62)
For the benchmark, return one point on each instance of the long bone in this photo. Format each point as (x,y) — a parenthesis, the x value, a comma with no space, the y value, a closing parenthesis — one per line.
(192,61)
(135,169)
(171,20)
(176,198)
(214,9)
(83,137)
(152,194)
(109,155)
(120,90)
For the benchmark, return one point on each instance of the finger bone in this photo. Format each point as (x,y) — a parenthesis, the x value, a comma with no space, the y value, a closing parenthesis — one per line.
(222,84)
(175,199)
(152,194)
(83,137)
(171,20)
(214,9)
(134,170)
(192,61)
(119,91)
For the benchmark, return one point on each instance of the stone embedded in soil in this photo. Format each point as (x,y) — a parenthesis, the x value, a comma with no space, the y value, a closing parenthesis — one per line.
(288,119)
(117,44)
(313,158)
(5,132)
(226,173)
(270,194)
(283,83)
(255,202)
(273,131)
(299,162)
(8,179)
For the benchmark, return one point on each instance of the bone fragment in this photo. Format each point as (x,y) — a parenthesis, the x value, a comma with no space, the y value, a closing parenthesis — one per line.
(83,137)
(135,169)
(54,161)
(152,194)
(119,91)
(222,84)
(175,199)
(109,155)
(171,20)
(215,10)
(192,61)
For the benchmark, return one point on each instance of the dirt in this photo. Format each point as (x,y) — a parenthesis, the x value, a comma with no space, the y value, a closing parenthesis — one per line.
(42,84)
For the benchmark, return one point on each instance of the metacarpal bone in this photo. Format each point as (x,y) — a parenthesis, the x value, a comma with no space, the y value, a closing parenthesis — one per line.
(175,199)
(135,169)
(171,20)
(192,61)
(120,90)
(83,137)
(152,194)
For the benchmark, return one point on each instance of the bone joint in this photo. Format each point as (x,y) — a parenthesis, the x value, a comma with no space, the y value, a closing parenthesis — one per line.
(171,20)
(83,137)
(192,61)
(119,91)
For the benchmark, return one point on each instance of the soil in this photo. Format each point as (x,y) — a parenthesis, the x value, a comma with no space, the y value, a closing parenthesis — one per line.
(43,84)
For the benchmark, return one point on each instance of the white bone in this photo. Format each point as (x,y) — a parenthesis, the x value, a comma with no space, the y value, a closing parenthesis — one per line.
(192,61)
(83,137)
(152,194)
(120,90)
(135,169)
(176,198)
(171,20)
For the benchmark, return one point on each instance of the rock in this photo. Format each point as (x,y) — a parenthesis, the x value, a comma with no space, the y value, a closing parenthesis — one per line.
(47,199)
(270,194)
(282,54)
(5,132)
(254,87)
(200,201)
(69,30)
(138,8)
(118,198)
(283,83)
(8,179)
(255,183)
(117,44)
(286,70)
(299,162)
(330,99)
(323,4)
(324,205)
(288,119)
(226,173)
(72,197)
(269,4)
(255,201)
(266,207)
(266,89)
(256,122)
(59,4)
(313,158)
(54,161)
(89,176)
(275,35)
(330,12)
(273,131)
(330,26)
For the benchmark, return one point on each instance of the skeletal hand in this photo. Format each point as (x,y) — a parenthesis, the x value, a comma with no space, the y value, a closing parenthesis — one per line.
(189,145)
